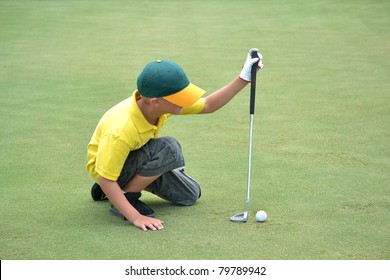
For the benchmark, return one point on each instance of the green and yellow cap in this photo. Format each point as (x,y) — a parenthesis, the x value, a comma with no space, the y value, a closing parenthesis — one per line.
(166,79)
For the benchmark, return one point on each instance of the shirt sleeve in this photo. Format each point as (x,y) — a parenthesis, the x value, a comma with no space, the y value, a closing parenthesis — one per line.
(196,108)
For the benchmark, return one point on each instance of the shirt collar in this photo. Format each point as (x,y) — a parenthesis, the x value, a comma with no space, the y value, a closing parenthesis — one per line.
(138,118)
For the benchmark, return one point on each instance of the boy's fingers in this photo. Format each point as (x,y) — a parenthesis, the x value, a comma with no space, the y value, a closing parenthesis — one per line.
(156,226)
(160,225)
(152,227)
(152,224)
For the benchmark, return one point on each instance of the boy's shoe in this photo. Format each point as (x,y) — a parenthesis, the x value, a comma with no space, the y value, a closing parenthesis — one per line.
(141,207)
(116,212)
(97,193)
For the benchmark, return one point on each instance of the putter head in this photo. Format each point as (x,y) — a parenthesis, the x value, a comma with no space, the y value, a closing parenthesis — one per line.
(240,217)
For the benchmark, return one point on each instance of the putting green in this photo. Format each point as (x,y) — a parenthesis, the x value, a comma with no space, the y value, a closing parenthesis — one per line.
(321,127)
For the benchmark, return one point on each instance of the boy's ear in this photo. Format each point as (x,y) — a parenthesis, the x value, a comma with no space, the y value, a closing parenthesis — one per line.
(154,101)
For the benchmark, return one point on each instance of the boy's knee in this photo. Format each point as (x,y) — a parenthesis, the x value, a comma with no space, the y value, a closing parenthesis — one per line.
(191,197)
(171,144)
(163,154)
(190,190)
(167,148)
(177,187)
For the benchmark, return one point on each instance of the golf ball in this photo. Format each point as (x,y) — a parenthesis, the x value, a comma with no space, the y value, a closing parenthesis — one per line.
(261,216)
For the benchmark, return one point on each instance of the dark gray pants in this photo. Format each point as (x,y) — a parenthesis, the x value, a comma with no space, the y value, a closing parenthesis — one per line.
(162,156)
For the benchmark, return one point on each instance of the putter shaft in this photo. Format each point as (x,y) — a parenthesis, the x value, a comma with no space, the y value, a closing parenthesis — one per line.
(243,216)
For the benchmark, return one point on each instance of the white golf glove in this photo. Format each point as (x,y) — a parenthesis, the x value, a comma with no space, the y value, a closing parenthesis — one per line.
(246,69)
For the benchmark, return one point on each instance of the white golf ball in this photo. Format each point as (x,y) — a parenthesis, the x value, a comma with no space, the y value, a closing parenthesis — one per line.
(261,216)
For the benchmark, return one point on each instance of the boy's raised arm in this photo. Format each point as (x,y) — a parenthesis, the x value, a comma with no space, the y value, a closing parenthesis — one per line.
(221,97)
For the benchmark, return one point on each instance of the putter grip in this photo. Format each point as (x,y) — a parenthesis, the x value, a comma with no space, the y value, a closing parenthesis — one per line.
(253,84)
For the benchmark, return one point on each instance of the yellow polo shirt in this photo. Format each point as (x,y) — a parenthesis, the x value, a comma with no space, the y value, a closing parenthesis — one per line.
(123,129)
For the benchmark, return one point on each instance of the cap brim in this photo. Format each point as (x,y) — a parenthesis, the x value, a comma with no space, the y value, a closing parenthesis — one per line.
(187,96)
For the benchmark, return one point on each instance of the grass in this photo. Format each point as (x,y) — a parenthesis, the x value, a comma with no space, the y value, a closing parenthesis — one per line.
(320,153)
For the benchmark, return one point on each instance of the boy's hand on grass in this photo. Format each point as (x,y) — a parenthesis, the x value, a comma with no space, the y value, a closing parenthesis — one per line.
(146,223)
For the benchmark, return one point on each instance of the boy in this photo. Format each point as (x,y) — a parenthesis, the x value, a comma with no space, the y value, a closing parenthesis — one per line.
(125,156)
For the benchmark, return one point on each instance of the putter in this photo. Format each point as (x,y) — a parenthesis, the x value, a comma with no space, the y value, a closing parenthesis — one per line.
(243,216)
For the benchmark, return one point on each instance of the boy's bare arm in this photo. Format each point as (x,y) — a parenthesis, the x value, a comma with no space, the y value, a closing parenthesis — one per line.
(115,195)
(221,97)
